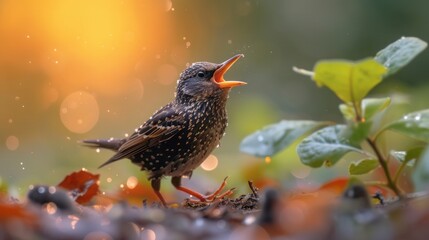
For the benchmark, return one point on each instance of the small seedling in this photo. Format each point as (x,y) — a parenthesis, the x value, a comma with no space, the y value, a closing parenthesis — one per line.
(328,142)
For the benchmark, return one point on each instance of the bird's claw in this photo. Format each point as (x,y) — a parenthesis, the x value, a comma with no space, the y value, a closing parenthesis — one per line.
(215,195)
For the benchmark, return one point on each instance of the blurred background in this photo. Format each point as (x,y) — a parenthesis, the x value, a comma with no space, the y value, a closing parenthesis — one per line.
(72,70)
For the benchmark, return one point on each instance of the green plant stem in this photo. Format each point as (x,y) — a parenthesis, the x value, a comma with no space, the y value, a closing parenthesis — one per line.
(356,106)
(390,183)
(399,171)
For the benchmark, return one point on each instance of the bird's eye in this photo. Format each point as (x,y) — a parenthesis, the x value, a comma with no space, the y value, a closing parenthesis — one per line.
(200,74)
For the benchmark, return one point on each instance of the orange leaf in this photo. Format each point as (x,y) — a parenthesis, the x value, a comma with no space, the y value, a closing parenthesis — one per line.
(83,185)
(16,212)
(337,185)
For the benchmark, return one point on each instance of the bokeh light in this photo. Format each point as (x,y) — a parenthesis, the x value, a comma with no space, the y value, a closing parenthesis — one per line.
(301,172)
(79,112)
(210,163)
(148,234)
(132,182)
(12,143)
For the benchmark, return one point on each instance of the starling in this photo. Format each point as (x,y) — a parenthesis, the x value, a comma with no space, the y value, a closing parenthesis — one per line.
(180,136)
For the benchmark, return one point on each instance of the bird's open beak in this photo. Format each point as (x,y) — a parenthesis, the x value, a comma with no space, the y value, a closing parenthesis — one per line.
(218,74)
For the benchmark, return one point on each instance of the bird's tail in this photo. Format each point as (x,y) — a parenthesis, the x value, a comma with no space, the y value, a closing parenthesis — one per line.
(112,144)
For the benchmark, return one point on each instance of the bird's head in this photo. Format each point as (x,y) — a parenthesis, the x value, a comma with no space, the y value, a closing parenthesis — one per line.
(204,80)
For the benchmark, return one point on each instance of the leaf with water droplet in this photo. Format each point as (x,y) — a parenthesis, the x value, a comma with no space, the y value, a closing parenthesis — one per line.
(408,157)
(275,137)
(414,125)
(327,145)
(400,53)
(363,166)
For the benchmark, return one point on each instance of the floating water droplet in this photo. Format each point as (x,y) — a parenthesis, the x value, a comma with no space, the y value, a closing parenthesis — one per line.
(188,44)
(97,150)
(418,117)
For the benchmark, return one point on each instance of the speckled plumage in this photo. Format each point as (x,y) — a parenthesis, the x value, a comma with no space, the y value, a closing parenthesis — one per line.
(179,136)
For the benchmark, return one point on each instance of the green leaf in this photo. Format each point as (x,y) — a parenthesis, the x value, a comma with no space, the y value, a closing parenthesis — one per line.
(414,125)
(274,138)
(350,81)
(327,146)
(357,132)
(363,166)
(408,157)
(420,175)
(400,53)
(348,111)
(372,106)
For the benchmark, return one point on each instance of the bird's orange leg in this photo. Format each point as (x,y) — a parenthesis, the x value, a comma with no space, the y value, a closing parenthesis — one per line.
(215,194)
(176,181)
(156,186)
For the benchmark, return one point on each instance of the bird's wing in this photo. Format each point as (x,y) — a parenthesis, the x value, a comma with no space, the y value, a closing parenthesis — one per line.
(163,125)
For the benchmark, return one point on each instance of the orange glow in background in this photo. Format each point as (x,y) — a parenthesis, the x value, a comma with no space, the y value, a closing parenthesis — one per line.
(69,67)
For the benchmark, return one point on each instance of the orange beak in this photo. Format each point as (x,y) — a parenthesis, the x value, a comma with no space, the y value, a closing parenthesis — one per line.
(218,75)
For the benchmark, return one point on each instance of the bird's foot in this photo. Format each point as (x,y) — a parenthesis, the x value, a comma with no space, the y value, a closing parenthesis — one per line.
(214,196)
